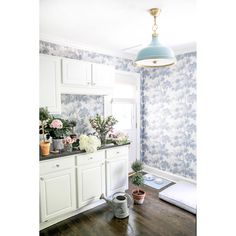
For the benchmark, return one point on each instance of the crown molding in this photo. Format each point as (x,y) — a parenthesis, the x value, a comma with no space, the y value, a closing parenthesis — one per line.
(78,45)
(178,49)
(184,48)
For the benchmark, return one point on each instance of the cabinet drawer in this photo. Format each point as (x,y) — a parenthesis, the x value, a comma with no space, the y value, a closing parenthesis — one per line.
(84,159)
(56,165)
(117,152)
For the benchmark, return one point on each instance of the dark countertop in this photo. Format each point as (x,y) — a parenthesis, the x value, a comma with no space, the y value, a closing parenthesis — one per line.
(63,154)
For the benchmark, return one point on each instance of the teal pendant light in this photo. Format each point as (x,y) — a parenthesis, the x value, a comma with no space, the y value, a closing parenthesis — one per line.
(155,54)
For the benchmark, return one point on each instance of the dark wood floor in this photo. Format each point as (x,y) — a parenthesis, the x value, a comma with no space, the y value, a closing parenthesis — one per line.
(154,218)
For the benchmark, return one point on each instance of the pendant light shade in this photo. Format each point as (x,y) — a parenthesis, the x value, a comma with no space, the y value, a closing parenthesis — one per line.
(155,54)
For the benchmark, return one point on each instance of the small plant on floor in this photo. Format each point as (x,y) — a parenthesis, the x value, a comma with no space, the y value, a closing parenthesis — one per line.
(138,180)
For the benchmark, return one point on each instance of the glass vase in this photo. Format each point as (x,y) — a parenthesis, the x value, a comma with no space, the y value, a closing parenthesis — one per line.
(103,139)
(68,148)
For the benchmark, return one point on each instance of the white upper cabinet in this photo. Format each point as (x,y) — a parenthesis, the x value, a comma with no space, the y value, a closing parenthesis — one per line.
(49,83)
(76,72)
(102,75)
(81,77)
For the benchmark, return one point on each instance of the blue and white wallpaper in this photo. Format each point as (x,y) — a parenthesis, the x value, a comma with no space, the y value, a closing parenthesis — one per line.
(168,108)
(168,117)
(80,108)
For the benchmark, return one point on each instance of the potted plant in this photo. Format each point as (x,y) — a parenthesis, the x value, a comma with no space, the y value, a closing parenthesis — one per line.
(44,117)
(58,128)
(103,126)
(138,180)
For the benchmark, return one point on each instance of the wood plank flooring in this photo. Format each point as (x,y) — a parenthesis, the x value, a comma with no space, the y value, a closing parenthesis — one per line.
(154,218)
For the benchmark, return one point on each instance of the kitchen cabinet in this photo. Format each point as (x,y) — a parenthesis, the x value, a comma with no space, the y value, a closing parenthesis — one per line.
(71,184)
(102,75)
(57,192)
(116,170)
(91,178)
(86,78)
(76,72)
(49,83)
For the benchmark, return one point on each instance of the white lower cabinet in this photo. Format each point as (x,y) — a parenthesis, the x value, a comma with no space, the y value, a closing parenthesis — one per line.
(69,183)
(91,183)
(57,193)
(116,170)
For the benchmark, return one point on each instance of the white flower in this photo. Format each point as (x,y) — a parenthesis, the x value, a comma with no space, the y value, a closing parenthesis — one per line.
(89,143)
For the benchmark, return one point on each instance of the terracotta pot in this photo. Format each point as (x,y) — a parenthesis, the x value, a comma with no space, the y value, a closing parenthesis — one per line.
(138,196)
(45,148)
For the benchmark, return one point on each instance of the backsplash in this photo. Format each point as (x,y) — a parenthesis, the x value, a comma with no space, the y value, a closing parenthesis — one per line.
(168,108)
(81,108)
(168,117)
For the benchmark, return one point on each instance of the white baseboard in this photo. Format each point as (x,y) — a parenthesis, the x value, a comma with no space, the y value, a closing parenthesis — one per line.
(167,175)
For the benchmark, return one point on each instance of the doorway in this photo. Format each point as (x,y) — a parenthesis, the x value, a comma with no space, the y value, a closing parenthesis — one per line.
(125,107)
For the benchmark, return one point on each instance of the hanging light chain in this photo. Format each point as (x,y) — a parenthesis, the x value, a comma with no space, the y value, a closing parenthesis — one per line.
(155,27)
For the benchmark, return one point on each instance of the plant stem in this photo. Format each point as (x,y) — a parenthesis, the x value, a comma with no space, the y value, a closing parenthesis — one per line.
(43,132)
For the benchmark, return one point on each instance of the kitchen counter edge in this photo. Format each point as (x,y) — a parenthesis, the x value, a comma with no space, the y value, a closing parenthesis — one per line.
(63,154)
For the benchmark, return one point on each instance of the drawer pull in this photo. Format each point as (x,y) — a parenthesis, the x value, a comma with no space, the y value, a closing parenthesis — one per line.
(57,165)
(117,152)
(91,158)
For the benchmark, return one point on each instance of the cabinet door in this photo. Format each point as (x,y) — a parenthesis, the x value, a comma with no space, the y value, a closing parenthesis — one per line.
(117,175)
(57,194)
(49,83)
(91,183)
(102,75)
(76,72)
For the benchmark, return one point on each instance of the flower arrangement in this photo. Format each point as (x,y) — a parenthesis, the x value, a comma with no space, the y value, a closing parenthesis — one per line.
(119,138)
(103,126)
(68,141)
(56,124)
(58,128)
(89,143)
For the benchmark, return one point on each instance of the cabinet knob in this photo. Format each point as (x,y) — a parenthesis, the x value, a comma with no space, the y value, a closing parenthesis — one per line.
(41,178)
(91,158)
(93,83)
(57,165)
(117,152)
(88,83)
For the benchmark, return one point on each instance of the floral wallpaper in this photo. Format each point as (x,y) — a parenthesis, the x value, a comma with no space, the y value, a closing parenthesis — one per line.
(81,108)
(74,53)
(168,108)
(168,117)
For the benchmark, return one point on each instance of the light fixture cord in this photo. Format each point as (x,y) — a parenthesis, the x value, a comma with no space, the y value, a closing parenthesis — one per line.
(154,27)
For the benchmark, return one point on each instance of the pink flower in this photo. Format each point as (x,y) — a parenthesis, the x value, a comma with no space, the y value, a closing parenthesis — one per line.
(69,140)
(56,124)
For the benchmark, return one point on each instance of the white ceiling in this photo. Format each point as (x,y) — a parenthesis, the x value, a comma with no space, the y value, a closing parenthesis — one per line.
(116,25)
